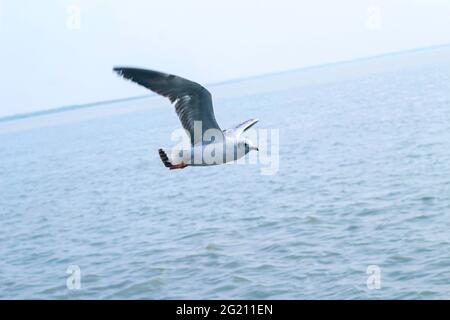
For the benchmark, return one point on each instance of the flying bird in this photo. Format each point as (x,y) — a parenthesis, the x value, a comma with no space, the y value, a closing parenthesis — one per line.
(194,107)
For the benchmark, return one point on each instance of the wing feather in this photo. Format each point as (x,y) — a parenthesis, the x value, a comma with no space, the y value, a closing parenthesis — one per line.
(242,127)
(192,101)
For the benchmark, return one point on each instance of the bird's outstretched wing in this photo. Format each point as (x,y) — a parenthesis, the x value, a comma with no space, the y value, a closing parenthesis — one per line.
(192,101)
(241,128)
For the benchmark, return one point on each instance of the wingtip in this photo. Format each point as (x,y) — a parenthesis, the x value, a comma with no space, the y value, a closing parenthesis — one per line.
(118,70)
(164,158)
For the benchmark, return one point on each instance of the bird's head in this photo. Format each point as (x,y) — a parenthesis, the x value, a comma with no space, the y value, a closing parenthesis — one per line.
(248,145)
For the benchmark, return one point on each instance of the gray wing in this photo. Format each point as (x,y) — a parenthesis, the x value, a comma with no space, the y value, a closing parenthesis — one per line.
(240,128)
(192,101)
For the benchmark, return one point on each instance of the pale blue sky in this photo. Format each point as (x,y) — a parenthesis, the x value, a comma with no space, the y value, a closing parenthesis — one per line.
(47,62)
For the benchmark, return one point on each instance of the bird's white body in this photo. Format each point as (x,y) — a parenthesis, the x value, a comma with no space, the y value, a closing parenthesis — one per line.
(207,154)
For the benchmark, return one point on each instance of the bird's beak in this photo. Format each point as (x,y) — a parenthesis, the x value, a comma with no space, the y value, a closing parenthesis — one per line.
(256,148)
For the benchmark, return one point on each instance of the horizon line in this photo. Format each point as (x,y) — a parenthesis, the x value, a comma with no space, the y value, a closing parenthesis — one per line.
(42,112)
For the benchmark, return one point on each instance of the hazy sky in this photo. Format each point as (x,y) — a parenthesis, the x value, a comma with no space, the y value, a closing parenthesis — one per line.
(50,58)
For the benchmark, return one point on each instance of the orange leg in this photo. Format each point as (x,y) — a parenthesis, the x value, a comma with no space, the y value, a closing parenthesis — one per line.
(178,166)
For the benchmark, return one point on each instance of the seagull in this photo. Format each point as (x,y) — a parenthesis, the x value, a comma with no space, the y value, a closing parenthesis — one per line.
(194,107)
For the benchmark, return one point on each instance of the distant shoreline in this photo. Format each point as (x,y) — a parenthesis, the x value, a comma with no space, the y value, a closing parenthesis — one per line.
(69,108)
(26,115)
